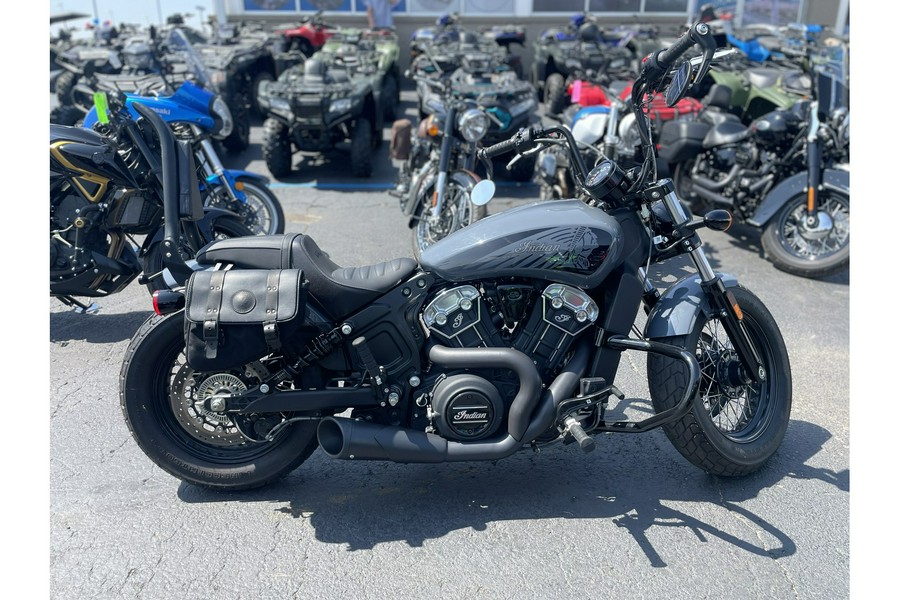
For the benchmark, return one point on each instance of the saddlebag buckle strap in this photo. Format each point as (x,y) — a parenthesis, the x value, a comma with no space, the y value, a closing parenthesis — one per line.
(213,307)
(270,325)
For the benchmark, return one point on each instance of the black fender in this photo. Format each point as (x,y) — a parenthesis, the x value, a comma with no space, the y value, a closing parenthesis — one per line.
(834,179)
(465,179)
(680,305)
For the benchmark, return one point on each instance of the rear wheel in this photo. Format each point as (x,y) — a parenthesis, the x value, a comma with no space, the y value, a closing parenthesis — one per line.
(734,426)
(276,148)
(163,401)
(810,247)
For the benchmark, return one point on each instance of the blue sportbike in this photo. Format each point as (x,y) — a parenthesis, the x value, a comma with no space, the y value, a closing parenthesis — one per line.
(196,114)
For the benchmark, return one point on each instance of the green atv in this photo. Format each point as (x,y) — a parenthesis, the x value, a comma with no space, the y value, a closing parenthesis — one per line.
(343,93)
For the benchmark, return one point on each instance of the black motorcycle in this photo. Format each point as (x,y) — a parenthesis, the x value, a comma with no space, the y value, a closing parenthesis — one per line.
(506,335)
(437,175)
(787,174)
(126,179)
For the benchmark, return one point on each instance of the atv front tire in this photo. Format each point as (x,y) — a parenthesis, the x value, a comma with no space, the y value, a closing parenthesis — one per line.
(276,148)
(555,94)
(361,148)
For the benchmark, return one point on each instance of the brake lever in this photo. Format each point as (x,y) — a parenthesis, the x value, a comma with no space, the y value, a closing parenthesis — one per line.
(709,52)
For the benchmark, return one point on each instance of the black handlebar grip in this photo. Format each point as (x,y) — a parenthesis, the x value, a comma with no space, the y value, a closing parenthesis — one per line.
(500,148)
(666,58)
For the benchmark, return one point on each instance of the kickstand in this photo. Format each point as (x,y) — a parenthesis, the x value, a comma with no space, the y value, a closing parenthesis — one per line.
(80,307)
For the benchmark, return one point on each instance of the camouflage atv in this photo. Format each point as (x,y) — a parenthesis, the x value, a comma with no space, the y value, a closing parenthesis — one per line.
(238,67)
(343,93)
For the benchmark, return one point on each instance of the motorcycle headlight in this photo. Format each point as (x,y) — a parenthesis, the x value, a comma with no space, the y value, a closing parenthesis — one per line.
(222,118)
(522,107)
(473,124)
(341,105)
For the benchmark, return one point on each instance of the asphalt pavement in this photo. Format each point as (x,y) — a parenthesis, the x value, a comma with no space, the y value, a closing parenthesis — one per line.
(633,519)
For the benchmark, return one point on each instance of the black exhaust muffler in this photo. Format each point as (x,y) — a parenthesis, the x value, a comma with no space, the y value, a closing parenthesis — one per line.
(341,437)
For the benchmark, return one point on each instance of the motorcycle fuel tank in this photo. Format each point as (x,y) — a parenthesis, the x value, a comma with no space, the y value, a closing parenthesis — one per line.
(563,241)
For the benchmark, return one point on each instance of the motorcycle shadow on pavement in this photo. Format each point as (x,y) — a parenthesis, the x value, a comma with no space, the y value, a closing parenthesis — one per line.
(97,328)
(635,483)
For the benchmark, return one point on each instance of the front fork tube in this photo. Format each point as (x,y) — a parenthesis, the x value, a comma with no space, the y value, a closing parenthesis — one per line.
(723,302)
(813,178)
(214,169)
(443,164)
(725,305)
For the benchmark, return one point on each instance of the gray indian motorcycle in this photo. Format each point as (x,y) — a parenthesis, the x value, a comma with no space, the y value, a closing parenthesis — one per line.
(505,335)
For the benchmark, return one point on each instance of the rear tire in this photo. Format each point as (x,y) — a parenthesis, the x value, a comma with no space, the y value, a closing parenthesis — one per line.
(794,248)
(157,393)
(276,148)
(361,148)
(732,429)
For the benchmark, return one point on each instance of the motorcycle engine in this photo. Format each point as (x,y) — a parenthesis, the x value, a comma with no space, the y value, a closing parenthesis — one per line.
(541,323)
(66,219)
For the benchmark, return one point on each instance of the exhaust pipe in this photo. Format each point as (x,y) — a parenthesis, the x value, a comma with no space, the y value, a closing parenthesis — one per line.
(341,437)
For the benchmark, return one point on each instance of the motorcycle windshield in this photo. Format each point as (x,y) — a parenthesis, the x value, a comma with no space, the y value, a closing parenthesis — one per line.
(181,46)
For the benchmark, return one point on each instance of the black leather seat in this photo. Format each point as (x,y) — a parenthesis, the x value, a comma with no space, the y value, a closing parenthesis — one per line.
(339,290)
(717,106)
(727,132)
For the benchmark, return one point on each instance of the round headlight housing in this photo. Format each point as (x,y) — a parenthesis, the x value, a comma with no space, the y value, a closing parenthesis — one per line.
(473,124)
(222,116)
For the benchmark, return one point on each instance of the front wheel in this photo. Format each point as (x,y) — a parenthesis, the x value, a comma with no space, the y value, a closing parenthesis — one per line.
(277,149)
(734,426)
(260,211)
(810,246)
(164,404)
(555,97)
(457,211)
(361,148)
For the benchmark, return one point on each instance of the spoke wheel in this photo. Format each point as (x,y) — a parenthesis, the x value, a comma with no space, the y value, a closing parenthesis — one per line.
(735,424)
(810,247)
(457,211)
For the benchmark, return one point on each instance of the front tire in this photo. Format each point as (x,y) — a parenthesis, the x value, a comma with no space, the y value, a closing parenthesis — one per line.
(816,250)
(160,399)
(65,86)
(361,148)
(733,428)
(276,148)
(457,211)
(555,97)
(261,212)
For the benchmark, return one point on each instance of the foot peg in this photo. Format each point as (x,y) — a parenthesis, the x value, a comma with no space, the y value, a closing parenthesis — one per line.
(573,427)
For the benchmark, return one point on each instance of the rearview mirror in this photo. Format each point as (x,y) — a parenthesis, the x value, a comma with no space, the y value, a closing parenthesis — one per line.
(678,87)
(483,192)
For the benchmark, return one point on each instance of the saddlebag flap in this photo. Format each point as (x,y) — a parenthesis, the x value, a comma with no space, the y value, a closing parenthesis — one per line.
(237,316)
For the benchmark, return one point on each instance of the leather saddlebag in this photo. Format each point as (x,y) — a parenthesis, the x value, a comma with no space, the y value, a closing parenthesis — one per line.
(238,316)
